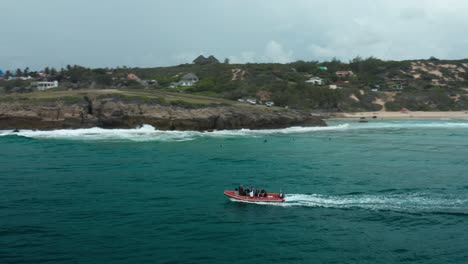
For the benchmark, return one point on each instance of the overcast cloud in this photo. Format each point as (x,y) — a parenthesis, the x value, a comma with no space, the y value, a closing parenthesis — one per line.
(101,33)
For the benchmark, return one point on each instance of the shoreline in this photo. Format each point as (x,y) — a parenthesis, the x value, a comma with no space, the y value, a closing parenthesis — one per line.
(401,115)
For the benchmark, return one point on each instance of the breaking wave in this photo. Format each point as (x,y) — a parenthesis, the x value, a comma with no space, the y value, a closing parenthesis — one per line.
(409,125)
(412,203)
(149,133)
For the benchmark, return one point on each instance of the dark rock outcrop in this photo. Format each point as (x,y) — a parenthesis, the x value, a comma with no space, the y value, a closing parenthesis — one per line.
(114,113)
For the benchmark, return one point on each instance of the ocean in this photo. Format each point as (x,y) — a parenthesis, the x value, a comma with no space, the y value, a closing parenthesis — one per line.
(393,191)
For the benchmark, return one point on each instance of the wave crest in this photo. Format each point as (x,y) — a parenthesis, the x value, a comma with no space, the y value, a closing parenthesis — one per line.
(149,133)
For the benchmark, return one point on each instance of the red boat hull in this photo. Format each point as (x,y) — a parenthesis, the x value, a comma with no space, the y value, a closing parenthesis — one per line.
(272,197)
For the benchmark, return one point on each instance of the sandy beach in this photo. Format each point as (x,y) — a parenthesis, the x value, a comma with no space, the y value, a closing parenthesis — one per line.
(409,114)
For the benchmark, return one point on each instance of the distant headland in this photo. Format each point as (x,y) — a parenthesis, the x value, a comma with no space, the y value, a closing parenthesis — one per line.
(286,93)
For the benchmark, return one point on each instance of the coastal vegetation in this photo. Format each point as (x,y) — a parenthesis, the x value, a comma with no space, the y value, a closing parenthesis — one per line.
(368,84)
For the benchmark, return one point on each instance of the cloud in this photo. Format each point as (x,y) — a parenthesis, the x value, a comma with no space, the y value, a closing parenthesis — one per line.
(274,52)
(305,30)
(245,57)
(321,52)
(413,13)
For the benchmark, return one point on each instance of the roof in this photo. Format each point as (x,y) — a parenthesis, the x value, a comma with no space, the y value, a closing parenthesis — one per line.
(200,59)
(203,60)
(213,59)
(132,76)
(189,76)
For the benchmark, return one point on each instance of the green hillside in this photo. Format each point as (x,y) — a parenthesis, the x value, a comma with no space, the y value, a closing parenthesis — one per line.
(373,85)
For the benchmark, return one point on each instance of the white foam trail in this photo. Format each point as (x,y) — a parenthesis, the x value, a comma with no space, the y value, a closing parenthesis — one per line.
(413,203)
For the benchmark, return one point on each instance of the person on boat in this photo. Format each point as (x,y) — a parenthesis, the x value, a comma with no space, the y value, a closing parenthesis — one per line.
(262,193)
(251,194)
(281,195)
(241,189)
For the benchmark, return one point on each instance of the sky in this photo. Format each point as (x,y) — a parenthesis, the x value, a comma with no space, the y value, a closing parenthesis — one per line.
(150,33)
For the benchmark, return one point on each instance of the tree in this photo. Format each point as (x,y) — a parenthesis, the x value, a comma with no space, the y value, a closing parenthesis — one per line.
(104,80)
(19,72)
(226,61)
(26,71)
(46,70)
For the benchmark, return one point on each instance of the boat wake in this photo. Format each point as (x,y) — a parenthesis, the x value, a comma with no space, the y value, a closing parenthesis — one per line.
(412,203)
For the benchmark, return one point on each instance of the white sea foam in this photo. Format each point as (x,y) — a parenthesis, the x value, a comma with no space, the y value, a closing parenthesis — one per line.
(144,133)
(149,133)
(412,202)
(408,125)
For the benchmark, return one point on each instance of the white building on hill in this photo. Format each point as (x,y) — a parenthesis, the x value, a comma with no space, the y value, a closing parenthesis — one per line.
(188,79)
(315,80)
(41,86)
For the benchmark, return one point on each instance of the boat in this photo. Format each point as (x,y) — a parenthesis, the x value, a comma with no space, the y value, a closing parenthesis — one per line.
(271,197)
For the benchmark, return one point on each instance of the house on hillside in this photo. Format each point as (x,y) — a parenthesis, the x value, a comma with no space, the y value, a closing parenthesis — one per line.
(323,68)
(188,79)
(315,80)
(343,74)
(41,86)
(133,77)
(202,60)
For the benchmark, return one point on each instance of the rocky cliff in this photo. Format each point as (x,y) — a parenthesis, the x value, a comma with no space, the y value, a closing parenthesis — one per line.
(115,113)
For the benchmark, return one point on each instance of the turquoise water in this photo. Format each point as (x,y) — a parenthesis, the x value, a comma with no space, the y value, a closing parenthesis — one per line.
(379,192)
